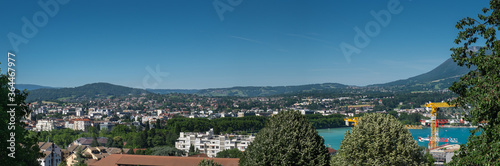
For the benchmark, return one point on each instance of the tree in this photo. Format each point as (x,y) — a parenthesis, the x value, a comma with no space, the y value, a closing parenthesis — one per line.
(287,139)
(24,148)
(63,163)
(80,159)
(230,153)
(166,151)
(191,148)
(479,88)
(393,113)
(379,139)
(206,162)
(94,142)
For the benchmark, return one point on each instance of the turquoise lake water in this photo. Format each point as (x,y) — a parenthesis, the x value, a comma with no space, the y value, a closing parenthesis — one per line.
(334,136)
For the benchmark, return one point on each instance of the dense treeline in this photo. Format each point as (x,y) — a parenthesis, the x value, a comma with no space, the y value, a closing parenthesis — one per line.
(165,133)
(322,122)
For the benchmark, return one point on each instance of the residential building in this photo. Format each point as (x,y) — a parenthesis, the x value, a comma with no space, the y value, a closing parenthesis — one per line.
(79,112)
(211,144)
(81,124)
(88,140)
(44,125)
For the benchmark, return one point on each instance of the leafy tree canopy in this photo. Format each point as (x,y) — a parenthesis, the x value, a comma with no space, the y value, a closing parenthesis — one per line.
(379,139)
(26,150)
(230,153)
(287,139)
(206,162)
(480,88)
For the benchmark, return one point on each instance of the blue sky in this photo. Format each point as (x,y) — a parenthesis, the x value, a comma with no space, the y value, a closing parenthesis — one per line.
(257,43)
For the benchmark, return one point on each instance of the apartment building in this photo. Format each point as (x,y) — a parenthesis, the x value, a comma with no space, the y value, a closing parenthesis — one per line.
(44,125)
(211,144)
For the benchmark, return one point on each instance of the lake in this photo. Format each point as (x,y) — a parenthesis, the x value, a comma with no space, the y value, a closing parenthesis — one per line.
(334,136)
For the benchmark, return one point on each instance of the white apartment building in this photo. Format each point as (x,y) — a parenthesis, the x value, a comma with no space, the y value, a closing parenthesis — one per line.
(44,125)
(211,144)
(81,124)
(94,112)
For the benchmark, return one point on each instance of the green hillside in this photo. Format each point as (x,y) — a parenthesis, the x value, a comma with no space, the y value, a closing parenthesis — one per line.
(270,90)
(101,90)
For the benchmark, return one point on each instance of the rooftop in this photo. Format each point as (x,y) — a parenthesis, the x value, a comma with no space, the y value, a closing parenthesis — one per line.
(125,159)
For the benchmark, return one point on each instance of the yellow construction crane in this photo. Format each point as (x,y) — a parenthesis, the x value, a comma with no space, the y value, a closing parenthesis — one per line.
(355,120)
(434,138)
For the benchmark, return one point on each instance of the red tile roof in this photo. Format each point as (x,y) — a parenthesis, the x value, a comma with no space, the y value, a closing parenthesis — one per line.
(125,159)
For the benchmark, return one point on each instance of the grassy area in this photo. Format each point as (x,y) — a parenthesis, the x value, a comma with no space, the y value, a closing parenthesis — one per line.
(49,102)
(358,106)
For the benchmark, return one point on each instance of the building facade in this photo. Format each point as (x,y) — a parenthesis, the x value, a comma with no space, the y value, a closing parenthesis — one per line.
(81,124)
(211,144)
(44,125)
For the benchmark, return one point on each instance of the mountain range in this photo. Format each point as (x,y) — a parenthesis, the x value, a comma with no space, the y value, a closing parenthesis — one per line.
(439,78)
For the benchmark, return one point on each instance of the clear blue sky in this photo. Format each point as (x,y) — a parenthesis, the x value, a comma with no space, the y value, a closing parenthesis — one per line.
(258,43)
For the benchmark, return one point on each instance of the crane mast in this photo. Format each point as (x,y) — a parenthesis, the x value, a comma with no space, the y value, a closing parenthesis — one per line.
(434,137)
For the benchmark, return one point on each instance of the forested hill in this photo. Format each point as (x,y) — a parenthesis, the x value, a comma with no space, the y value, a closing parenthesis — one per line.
(82,92)
(439,78)
(270,90)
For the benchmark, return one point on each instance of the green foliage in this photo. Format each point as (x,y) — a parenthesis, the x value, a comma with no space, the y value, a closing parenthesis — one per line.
(228,124)
(63,163)
(80,159)
(143,152)
(411,119)
(191,148)
(379,139)
(207,162)
(480,87)
(101,90)
(166,151)
(26,149)
(322,122)
(230,153)
(94,142)
(61,137)
(267,91)
(287,139)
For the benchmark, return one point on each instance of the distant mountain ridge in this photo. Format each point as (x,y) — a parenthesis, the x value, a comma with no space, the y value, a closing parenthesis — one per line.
(269,90)
(167,91)
(439,78)
(85,91)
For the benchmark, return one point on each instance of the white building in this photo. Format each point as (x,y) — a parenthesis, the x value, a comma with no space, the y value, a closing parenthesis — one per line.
(211,144)
(95,112)
(81,124)
(79,112)
(44,125)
